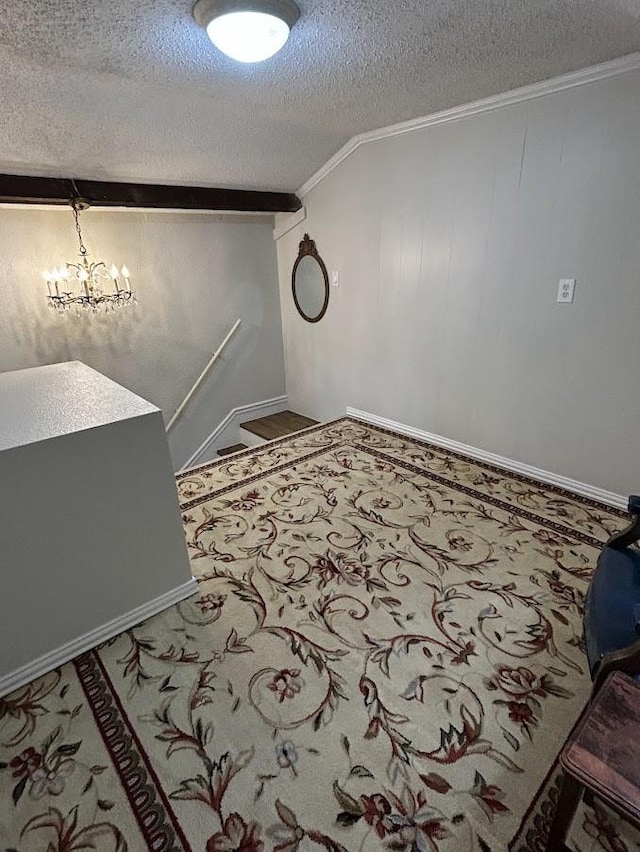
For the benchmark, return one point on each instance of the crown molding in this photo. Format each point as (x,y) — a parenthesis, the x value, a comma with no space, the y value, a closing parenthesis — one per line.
(593,74)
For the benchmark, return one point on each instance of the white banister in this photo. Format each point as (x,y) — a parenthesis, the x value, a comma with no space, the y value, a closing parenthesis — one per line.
(202,376)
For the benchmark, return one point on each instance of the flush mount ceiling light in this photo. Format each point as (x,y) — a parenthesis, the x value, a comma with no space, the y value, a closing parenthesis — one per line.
(247,30)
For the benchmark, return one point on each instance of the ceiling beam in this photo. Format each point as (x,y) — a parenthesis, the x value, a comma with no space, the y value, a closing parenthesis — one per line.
(23,189)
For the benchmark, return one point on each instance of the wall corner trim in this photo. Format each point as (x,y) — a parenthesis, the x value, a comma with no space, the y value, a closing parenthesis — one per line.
(592,74)
(233,418)
(582,488)
(52,659)
(288,222)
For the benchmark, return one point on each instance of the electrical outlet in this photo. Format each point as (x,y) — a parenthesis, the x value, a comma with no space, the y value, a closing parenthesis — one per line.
(566,289)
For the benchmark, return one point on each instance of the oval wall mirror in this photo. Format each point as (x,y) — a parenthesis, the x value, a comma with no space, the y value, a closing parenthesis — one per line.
(310,282)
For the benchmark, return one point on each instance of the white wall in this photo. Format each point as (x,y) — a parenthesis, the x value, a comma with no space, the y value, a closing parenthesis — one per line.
(450,242)
(91,537)
(195,275)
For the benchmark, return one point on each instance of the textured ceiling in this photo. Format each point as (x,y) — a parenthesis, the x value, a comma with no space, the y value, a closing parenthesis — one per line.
(133,89)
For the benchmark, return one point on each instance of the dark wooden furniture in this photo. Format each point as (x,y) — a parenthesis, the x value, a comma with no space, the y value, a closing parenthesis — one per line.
(602,756)
(612,607)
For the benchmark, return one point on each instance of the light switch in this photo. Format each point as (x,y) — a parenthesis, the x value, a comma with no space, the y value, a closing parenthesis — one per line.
(566,289)
(335,278)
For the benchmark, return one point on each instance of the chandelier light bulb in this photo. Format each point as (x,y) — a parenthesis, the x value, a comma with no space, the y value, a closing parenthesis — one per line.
(247,30)
(125,272)
(113,271)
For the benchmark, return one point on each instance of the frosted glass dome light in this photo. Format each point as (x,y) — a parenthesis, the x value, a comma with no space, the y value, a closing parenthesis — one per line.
(247,30)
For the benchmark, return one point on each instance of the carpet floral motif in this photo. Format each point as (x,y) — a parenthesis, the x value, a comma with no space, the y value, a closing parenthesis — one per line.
(385,653)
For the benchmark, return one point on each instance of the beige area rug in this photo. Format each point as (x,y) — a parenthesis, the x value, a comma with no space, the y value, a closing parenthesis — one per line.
(384,653)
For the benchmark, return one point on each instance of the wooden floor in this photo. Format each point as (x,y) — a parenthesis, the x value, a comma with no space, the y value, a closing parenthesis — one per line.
(278,425)
(226,451)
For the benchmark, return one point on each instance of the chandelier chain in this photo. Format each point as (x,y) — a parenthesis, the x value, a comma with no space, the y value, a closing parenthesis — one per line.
(76,216)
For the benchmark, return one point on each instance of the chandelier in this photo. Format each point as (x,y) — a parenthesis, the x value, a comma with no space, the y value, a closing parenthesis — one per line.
(83,285)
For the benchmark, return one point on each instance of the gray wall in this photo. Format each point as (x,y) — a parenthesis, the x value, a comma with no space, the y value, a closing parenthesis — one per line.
(195,275)
(450,242)
(90,528)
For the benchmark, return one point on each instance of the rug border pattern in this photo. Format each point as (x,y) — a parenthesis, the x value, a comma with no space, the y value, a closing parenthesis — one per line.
(504,471)
(156,820)
(569,532)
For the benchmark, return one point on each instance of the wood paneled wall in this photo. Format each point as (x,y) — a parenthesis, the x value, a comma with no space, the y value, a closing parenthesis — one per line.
(450,242)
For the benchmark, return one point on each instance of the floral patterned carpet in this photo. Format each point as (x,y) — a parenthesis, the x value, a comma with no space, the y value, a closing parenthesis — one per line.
(385,653)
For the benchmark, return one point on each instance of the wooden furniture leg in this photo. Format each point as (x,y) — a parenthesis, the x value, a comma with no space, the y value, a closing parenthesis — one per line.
(602,756)
(568,801)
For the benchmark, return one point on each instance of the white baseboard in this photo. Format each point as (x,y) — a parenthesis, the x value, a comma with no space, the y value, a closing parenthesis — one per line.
(582,488)
(227,432)
(59,656)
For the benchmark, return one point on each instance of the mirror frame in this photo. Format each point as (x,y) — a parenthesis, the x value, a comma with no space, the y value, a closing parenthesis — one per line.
(308,249)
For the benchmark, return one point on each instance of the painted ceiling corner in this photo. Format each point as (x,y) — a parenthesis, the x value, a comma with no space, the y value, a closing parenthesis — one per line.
(614,68)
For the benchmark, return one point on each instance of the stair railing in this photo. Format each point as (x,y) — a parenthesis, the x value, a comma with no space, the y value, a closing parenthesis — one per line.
(202,376)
